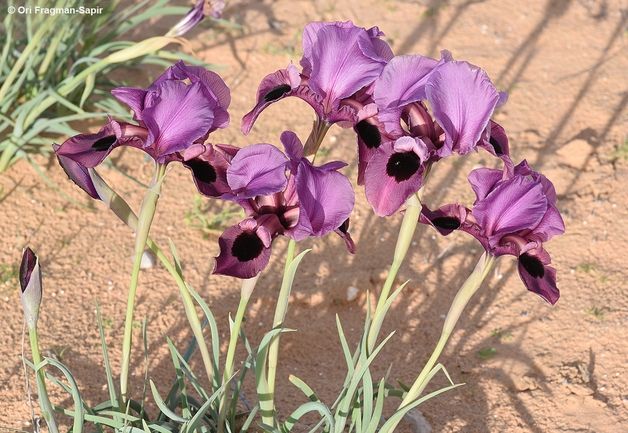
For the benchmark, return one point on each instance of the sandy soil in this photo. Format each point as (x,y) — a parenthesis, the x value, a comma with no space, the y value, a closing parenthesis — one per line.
(560,369)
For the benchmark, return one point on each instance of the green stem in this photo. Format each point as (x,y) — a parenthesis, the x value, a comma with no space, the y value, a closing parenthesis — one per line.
(123,211)
(44,400)
(470,286)
(406,231)
(319,129)
(147,212)
(273,348)
(245,294)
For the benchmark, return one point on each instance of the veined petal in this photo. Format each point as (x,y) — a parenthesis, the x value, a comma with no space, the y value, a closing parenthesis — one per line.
(77,174)
(292,145)
(89,150)
(340,67)
(309,39)
(257,170)
(445,219)
(391,177)
(181,115)
(132,97)
(483,181)
(462,99)
(403,81)
(244,250)
(325,200)
(538,277)
(343,232)
(272,88)
(515,205)
(551,225)
(209,171)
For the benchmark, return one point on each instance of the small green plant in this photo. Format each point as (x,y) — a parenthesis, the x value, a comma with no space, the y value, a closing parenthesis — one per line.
(8,273)
(8,278)
(200,218)
(501,334)
(487,353)
(621,152)
(595,312)
(586,267)
(107,322)
(59,351)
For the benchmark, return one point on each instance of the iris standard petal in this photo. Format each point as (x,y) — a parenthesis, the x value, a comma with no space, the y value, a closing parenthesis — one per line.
(462,99)
(326,200)
(181,116)
(340,67)
(514,205)
(483,181)
(292,145)
(257,170)
(132,97)
(402,81)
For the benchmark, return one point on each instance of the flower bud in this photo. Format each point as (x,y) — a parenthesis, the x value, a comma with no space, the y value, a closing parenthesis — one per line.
(30,283)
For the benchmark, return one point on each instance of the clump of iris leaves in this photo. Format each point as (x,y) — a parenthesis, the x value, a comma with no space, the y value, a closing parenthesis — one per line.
(45,84)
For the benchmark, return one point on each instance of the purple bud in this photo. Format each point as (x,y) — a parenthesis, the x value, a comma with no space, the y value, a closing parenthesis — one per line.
(30,283)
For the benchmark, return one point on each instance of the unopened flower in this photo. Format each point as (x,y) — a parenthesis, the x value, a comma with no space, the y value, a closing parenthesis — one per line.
(202,9)
(339,59)
(514,213)
(30,284)
(309,201)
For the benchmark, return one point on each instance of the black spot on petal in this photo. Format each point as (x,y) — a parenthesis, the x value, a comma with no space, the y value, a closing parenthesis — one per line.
(103,144)
(402,166)
(496,146)
(246,247)
(369,134)
(203,171)
(277,92)
(532,265)
(447,223)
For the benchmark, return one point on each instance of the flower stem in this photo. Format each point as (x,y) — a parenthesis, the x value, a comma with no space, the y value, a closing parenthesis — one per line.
(319,129)
(406,231)
(122,210)
(44,400)
(280,315)
(245,294)
(147,212)
(470,286)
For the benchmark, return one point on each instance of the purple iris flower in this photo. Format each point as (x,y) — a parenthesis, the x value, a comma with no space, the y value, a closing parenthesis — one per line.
(308,201)
(202,9)
(514,213)
(339,59)
(174,119)
(396,145)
